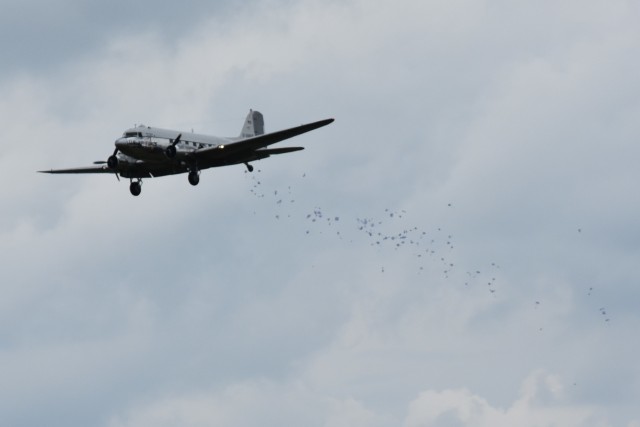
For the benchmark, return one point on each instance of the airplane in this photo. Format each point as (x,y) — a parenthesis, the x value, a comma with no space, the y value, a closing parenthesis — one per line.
(149,152)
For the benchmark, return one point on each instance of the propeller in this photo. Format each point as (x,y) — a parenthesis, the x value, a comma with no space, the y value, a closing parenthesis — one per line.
(171,149)
(112,162)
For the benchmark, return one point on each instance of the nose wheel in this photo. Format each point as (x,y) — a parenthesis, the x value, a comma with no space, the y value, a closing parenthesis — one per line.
(136,187)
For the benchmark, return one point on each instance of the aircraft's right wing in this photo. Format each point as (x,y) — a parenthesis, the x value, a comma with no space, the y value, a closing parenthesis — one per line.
(257,142)
(88,169)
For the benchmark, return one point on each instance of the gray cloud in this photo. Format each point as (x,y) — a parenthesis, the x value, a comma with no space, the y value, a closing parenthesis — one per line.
(499,139)
(37,36)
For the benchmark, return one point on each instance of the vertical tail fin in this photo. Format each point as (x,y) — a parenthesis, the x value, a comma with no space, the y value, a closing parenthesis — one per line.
(253,125)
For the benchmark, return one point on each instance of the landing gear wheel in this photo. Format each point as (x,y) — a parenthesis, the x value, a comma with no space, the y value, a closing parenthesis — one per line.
(135,188)
(249,167)
(112,162)
(194,178)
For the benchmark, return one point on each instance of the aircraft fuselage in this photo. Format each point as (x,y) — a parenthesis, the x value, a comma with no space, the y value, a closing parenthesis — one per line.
(146,152)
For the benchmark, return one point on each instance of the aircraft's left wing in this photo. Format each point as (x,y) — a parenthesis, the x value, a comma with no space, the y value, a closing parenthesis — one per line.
(257,142)
(88,169)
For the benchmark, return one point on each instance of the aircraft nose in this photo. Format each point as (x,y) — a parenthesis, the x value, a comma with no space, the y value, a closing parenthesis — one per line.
(121,142)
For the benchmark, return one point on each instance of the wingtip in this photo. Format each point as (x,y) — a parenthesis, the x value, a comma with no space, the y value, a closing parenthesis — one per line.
(326,121)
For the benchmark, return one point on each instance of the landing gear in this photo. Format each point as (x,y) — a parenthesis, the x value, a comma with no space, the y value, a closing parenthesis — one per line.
(136,187)
(249,167)
(194,177)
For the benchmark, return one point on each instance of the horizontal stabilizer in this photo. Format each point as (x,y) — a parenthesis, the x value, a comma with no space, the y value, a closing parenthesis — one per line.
(282,150)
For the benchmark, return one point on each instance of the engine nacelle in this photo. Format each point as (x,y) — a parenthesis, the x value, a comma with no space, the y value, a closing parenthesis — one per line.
(170,151)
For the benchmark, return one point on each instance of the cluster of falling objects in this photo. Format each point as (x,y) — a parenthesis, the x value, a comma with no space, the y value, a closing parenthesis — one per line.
(386,235)
(436,245)
(256,189)
(317,216)
(489,279)
(601,310)
(386,232)
(281,198)
(427,247)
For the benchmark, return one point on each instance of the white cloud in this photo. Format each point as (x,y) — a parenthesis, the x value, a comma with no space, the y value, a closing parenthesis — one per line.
(540,404)
(246,404)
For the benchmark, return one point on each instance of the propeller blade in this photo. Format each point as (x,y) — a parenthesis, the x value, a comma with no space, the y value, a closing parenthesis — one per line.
(100,162)
(175,141)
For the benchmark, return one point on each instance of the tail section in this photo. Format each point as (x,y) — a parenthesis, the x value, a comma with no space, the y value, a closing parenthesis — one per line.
(253,125)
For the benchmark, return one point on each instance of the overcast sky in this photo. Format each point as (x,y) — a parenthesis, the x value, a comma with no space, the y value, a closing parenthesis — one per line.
(460,247)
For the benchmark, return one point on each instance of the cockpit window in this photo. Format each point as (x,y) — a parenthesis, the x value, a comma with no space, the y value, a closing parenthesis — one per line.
(132,135)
